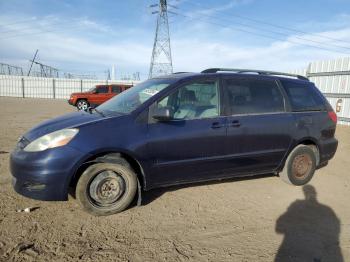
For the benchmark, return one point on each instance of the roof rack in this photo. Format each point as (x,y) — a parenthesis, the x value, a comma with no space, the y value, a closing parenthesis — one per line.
(260,72)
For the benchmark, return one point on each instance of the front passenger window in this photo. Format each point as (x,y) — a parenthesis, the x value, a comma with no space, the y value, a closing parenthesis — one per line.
(194,101)
(102,90)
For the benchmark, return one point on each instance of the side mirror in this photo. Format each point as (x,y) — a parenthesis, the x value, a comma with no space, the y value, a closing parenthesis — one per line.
(163,114)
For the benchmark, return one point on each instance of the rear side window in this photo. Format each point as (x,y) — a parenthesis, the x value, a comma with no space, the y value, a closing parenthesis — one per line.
(116,89)
(252,96)
(102,89)
(303,97)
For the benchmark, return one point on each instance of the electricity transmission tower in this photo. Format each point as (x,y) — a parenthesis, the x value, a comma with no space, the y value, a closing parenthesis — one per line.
(6,69)
(161,62)
(45,70)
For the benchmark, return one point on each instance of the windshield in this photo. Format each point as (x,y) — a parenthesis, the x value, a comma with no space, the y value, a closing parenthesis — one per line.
(132,98)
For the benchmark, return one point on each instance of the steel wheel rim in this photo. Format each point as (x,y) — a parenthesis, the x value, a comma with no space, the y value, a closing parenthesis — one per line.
(106,188)
(82,105)
(301,167)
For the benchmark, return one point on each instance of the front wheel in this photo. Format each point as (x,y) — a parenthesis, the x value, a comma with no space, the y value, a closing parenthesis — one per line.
(300,166)
(82,105)
(105,189)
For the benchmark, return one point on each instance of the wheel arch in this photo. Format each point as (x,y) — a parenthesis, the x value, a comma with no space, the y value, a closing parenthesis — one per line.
(81,98)
(308,141)
(108,157)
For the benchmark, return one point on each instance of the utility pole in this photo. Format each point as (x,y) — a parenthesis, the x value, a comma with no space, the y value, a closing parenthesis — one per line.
(31,65)
(161,61)
(108,74)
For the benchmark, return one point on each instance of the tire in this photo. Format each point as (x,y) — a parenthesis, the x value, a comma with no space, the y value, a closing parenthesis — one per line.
(105,189)
(82,105)
(300,166)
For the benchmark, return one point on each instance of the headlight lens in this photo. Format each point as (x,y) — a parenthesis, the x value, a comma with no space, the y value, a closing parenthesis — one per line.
(52,140)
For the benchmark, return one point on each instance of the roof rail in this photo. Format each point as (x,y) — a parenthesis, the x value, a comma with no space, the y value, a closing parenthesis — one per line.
(260,72)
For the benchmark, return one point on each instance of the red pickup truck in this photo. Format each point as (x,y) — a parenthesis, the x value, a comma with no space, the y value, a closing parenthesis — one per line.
(96,95)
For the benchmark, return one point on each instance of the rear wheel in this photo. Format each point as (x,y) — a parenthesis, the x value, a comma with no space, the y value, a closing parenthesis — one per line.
(300,166)
(105,189)
(82,104)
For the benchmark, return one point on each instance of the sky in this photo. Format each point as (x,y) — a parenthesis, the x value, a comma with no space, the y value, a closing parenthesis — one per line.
(90,36)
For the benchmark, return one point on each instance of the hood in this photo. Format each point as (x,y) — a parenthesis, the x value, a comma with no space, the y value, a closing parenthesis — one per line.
(71,120)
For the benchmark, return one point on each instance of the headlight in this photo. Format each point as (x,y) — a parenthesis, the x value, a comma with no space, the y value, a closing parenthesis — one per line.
(52,140)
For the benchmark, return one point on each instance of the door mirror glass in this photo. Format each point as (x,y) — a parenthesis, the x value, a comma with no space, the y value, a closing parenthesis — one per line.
(163,114)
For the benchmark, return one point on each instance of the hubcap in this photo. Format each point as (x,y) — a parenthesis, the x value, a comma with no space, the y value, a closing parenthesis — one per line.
(302,165)
(82,105)
(106,188)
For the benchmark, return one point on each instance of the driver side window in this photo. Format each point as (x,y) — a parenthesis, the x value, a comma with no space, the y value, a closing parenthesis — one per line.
(102,90)
(193,101)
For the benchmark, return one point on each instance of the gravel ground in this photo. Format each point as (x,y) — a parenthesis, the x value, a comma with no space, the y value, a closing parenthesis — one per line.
(255,219)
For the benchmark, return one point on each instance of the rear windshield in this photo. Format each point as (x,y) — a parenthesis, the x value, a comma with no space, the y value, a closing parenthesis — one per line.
(303,96)
(131,99)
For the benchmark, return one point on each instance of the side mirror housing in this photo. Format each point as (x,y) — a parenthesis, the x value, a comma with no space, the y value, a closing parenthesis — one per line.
(163,114)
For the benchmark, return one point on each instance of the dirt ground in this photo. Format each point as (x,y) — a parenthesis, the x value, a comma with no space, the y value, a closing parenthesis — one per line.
(259,219)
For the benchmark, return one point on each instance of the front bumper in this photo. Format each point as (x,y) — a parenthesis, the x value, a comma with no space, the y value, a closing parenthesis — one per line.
(44,175)
(71,102)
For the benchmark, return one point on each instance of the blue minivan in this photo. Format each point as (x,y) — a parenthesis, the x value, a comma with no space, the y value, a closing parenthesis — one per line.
(175,129)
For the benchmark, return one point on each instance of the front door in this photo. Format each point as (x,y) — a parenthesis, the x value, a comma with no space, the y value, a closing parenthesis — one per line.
(258,126)
(101,95)
(189,147)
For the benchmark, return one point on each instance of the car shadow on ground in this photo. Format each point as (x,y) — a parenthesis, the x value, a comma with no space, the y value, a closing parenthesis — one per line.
(311,231)
(152,195)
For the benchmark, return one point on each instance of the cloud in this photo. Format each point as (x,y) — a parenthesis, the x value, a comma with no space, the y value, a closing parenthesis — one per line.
(209,11)
(84,45)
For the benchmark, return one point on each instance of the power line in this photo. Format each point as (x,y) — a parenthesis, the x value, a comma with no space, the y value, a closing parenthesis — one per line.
(261,35)
(279,33)
(274,25)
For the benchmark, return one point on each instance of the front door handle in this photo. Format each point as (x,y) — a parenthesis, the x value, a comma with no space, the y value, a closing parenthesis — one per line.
(235,123)
(216,125)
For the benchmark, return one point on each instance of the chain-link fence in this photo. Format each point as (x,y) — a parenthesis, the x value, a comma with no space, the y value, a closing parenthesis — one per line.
(39,87)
